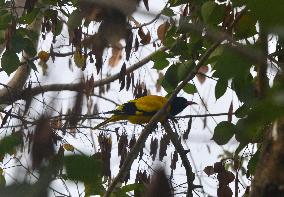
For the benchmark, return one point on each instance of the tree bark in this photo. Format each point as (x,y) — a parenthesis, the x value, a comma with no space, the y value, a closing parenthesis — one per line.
(269,179)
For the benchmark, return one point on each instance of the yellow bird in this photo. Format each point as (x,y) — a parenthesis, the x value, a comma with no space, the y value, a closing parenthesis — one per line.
(141,110)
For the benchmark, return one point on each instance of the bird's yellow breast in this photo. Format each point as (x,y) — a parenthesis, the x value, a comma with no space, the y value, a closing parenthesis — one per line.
(141,119)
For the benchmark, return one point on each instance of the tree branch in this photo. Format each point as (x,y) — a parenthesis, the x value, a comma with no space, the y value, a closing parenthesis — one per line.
(177,144)
(149,127)
(19,79)
(22,94)
(147,130)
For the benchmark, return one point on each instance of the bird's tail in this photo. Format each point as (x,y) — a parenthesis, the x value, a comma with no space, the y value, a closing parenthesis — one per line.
(111,119)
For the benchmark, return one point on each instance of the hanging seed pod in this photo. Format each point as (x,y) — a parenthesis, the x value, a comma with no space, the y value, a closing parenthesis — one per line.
(154,147)
(132,142)
(174,160)
(122,144)
(164,142)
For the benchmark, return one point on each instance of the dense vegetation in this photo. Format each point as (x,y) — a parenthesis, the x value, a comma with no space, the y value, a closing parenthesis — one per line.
(237,43)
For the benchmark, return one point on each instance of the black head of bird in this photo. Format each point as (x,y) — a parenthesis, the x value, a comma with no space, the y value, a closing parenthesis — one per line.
(179,104)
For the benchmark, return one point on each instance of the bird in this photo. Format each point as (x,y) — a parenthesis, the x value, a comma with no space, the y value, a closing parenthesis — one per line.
(141,110)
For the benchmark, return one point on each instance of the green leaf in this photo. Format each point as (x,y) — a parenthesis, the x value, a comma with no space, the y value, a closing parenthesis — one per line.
(175,74)
(169,36)
(30,17)
(223,132)
(32,65)
(29,47)
(131,187)
(240,148)
(244,86)
(249,133)
(83,168)
(272,19)
(220,88)
(9,144)
(58,27)
(184,69)
(10,61)
(94,188)
(189,88)
(246,26)
(160,61)
(5,20)
(2,181)
(238,3)
(253,162)
(27,33)
(181,48)
(230,64)
(212,13)
(242,111)
(174,3)
(75,20)
(17,42)
(168,12)
(50,14)
(167,85)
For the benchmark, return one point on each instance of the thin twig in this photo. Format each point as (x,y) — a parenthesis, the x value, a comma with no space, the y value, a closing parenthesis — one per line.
(178,147)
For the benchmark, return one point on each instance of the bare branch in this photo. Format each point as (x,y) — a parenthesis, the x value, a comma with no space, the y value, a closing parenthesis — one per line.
(178,146)
(19,94)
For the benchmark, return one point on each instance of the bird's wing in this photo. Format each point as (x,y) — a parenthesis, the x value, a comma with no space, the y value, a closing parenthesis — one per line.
(149,105)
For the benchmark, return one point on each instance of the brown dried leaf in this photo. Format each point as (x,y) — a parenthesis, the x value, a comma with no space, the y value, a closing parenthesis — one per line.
(128,46)
(230,112)
(224,191)
(141,33)
(185,10)
(132,142)
(132,79)
(153,147)
(225,177)
(158,83)
(42,147)
(146,4)
(159,186)
(89,86)
(105,143)
(218,167)
(229,16)
(122,144)
(164,142)
(116,57)
(128,81)
(77,109)
(122,72)
(122,84)
(204,122)
(186,133)
(136,45)
(200,76)
(7,115)
(209,170)
(162,29)
(56,123)
(145,38)
(203,69)
(174,161)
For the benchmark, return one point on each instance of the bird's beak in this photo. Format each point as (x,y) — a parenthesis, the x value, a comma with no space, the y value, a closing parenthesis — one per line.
(191,103)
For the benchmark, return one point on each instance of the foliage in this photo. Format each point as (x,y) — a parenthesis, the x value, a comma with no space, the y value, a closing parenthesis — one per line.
(226,41)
